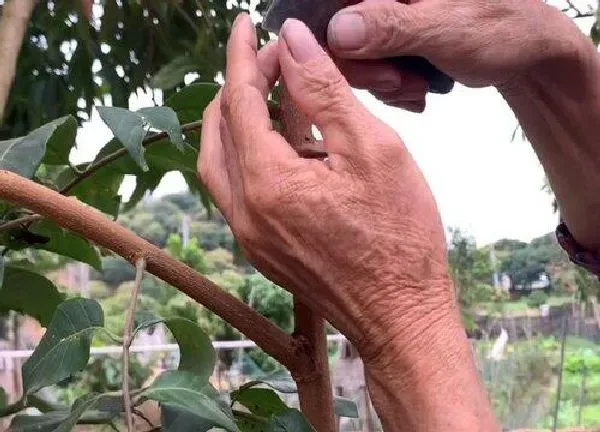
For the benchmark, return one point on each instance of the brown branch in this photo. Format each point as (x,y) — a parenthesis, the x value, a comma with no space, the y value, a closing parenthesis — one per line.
(21,222)
(95,166)
(316,395)
(140,267)
(93,225)
(314,383)
(13,27)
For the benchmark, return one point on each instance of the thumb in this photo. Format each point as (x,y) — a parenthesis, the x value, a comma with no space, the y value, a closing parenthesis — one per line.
(383,29)
(319,90)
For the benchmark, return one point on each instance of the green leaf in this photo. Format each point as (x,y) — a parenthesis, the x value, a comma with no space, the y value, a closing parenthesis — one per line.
(198,355)
(280,381)
(68,244)
(65,347)
(345,407)
(144,182)
(164,119)
(37,423)
(191,101)
(197,352)
(127,127)
(3,398)
(291,420)
(1,272)
(81,405)
(58,148)
(99,190)
(178,420)
(29,293)
(249,423)
(595,33)
(260,401)
(172,74)
(184,390)
(24,155)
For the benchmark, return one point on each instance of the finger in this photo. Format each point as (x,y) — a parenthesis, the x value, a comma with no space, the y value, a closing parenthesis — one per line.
(212,166)
(249,78)
(319,90)
(387,28)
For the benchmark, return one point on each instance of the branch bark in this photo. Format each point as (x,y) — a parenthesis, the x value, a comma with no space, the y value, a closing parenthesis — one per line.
(93,225)
(13,27)
(314,387)
(140,267)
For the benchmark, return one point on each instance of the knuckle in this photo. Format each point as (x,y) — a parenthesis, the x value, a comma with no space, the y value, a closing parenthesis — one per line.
(329,90)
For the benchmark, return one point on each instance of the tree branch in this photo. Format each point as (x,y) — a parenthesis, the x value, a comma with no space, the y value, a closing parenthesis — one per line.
(93,225)
(140,267)
(314,383)
(13,26)
(95,166)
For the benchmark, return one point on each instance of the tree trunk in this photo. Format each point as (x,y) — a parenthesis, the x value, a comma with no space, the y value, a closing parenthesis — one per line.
(13,27)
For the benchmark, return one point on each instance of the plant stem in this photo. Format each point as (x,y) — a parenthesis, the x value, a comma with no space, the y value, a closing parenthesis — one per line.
(19,223)
(314,389)
(143,417)
(560,372)
(95,166)
(314,384)
(140,267)
(13,408)
(93,225)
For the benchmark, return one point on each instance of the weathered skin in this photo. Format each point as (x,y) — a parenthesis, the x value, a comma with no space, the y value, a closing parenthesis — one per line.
(358,237)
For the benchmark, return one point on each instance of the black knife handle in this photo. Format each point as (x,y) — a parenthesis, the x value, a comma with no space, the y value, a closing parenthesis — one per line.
(438,81)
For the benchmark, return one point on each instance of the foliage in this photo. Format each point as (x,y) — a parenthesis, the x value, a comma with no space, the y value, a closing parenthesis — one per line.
(537,298)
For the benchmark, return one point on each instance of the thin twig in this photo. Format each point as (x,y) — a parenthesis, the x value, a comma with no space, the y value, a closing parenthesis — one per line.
(95,166)
(140,267)
(19,223)
(143,417)
(573,7)
(13,408)
(92,168)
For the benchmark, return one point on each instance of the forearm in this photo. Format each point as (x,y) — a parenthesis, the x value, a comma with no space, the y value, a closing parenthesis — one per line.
(558,106)
(429,382)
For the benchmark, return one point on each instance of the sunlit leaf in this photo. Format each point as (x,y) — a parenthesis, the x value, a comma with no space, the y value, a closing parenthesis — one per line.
(65,347)
(29,293)
(191,101)
(68,244)
(164,119)
(127,127)
(24,155)
(172,74)
(280,381)
(60,144)
(47,422)
(260,401)
(179,420)
(291,420)
(186,391)
(345,407)
(196,350)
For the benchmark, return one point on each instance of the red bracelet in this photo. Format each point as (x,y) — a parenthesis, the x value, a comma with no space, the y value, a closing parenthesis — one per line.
(577,253)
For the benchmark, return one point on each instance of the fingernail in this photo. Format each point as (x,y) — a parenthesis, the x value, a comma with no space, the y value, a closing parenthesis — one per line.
(347,31)
(301,42)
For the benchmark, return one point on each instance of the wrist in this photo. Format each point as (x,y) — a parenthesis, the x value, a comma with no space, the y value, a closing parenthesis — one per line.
(398,329)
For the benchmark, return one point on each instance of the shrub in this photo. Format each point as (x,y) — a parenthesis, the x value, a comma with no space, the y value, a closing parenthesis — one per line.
(536,299)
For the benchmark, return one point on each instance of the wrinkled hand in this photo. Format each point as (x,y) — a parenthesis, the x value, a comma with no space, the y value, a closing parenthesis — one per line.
(357,237)
(477,42)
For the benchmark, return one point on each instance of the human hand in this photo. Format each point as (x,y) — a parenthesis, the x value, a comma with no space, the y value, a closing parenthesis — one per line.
(477,42)
(358,237)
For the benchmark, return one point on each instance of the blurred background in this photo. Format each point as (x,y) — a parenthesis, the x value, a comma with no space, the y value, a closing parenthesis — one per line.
(532,317)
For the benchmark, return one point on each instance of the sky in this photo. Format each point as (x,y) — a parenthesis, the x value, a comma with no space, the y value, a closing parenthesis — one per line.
(485,183)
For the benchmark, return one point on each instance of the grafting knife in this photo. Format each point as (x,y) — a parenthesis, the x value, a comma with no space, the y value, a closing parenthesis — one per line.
(316,14)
